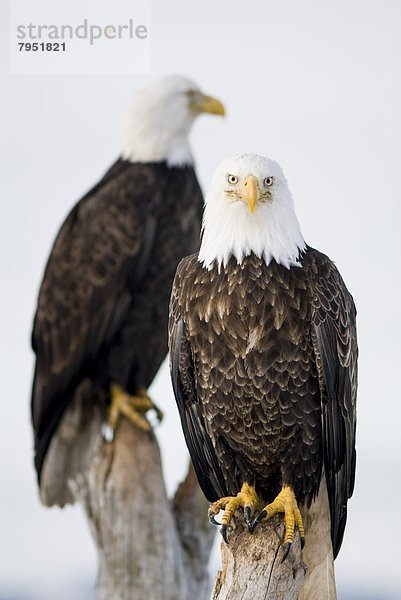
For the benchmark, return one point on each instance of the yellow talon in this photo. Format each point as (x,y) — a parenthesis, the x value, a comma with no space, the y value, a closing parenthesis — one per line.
(246,499)
(132,407)
(285,503)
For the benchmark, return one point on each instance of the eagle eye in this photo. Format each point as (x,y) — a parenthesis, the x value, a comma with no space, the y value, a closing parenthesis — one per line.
(232,179)
(268,181)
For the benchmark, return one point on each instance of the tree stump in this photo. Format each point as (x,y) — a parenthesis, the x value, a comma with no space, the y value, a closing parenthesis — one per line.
(148,547)
(253,567)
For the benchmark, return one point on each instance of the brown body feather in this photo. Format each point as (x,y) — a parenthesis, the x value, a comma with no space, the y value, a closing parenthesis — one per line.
(103,304)
(263,363)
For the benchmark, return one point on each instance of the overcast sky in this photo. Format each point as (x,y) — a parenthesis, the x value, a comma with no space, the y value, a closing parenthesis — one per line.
(314,85)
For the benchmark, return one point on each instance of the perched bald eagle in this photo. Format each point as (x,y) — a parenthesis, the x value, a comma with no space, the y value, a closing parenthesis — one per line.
(264,365)
(101,319)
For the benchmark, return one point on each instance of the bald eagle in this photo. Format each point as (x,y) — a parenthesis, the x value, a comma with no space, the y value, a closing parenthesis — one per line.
(101,319)
(264,365)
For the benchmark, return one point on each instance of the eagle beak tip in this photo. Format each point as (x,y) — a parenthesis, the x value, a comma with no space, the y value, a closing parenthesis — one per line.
(250,192)
(212,106)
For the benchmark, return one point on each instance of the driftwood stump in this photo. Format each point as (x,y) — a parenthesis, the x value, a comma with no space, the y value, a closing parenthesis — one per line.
(149,548)
(252,564)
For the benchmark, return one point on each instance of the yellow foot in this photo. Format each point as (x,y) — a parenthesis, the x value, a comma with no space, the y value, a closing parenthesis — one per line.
(246,499)
(285,503)
(132,407)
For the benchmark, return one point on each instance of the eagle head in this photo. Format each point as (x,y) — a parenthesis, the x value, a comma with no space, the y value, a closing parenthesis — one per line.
(160,120)
(249,209)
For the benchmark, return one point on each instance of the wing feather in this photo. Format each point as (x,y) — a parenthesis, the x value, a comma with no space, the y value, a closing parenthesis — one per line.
(336,351)
(97,261)
(198,441)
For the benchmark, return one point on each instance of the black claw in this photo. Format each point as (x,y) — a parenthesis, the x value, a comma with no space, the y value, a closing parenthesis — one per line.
(258,519)
(223,532)
(302,542)
(261,516)
(213,520)
(287,548)
(248,517)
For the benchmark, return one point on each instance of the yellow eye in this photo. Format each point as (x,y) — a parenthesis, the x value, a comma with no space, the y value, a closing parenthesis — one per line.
(232,179)
(268,181)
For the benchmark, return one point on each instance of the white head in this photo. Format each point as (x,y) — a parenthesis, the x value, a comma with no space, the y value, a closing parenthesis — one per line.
(160,119)
(249,209)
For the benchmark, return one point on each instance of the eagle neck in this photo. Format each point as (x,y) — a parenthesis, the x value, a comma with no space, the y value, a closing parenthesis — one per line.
(145,141)
(273,234)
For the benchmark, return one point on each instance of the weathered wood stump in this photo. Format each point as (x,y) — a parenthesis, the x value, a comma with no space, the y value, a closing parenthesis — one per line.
(149,548)
(253,567)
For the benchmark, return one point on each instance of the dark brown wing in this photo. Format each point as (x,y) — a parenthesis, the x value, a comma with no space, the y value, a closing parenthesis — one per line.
(199,444)
(97,260)
(335,345)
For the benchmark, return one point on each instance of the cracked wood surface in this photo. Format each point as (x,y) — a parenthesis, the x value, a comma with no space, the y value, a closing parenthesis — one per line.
(149,548)
(252,567)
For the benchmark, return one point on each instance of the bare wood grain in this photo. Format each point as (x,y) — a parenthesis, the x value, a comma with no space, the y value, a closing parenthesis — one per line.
(148,547)
(252,566)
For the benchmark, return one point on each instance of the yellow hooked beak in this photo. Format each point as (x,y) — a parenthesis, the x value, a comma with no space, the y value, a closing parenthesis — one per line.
(208,104)
(250,191)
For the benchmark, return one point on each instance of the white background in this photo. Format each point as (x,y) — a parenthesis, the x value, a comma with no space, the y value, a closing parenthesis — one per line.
(314,85)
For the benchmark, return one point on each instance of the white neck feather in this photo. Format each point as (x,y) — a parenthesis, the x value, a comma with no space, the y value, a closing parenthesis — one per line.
(272,232)
(142,143)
